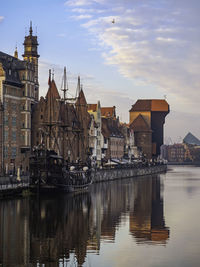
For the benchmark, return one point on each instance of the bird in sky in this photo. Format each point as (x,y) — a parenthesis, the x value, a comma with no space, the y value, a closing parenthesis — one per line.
(113,21)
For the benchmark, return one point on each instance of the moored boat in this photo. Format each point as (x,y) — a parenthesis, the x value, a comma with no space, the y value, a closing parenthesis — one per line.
(49,173)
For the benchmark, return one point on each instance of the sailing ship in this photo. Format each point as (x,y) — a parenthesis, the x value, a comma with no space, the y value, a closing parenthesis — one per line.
(51,169)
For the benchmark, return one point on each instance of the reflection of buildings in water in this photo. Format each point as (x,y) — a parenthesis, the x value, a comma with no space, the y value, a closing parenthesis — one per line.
(59,227)
(14,233)
(110,203)
(147,218)
(62,229)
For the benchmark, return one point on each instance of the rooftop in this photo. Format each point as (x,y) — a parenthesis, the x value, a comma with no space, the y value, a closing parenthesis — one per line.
(190,139)
(150,105)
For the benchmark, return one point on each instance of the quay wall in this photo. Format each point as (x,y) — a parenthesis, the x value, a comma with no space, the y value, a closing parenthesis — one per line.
(10,187)
(113,174)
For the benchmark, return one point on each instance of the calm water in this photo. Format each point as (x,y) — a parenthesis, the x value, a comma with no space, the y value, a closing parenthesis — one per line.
(149,221)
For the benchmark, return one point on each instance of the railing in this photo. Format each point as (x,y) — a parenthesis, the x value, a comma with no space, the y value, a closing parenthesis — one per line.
(11,182)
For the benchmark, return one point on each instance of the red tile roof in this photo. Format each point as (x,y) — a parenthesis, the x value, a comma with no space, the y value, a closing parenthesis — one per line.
(150,105)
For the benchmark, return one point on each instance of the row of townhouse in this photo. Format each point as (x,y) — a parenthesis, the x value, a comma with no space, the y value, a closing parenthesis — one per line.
(109,139)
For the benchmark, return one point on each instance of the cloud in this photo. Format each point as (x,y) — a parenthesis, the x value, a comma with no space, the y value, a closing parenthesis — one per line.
(1,18)
(106,96)
(61,35)
(157,43)
(79,17)
(77,3)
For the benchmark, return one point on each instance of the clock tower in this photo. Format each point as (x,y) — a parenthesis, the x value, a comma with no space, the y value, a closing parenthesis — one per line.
(31,55)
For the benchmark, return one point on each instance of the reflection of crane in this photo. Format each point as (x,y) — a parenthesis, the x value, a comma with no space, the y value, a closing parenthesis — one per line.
(113,21)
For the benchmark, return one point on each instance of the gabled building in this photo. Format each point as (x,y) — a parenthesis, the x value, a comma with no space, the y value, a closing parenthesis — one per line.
(19,89)
(84,124)
(93,137)
(113,138)
(142,135)
(62,126)
(130,150)
(95,110)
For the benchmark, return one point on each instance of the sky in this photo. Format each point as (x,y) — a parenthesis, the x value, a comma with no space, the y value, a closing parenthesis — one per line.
(152,51)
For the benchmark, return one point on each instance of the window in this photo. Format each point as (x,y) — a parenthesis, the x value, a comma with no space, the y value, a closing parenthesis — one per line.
(14,106)
(5,151)
(14,121)
(6,120)
(23,139)
(5,136)
(13,152)
(5,105)
(14,136)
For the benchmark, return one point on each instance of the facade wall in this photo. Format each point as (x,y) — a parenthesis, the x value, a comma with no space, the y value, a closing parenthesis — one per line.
(116,147)
(143,142)
(97,117)
(145,114)
(18,94)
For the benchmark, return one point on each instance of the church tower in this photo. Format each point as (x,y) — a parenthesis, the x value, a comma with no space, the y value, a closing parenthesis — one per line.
(31,55)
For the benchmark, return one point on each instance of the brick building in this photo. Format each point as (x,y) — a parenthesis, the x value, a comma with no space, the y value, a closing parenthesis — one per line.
(147,118)
(62,126)
(19,91)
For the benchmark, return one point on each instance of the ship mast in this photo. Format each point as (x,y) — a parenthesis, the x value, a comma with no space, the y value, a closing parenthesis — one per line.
(64,125)
(65,89)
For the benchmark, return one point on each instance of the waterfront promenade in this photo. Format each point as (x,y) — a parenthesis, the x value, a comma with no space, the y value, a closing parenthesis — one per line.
(11,185)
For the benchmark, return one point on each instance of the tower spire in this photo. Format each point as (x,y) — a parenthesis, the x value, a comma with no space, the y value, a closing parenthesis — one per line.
(49,81)
(31,29)
(16,52)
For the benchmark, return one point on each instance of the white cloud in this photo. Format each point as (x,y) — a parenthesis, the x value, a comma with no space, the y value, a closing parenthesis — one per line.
(1,18)
(77,3)
(156,42)
(79,17)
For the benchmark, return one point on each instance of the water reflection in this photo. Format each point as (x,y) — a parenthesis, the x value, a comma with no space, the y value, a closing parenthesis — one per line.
(147,219)
(61,230)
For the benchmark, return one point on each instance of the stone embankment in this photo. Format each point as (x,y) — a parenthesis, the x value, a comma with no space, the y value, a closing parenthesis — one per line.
(9,186)
(121,173)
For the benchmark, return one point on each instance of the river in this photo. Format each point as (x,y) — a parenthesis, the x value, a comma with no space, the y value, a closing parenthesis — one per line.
(144,221)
